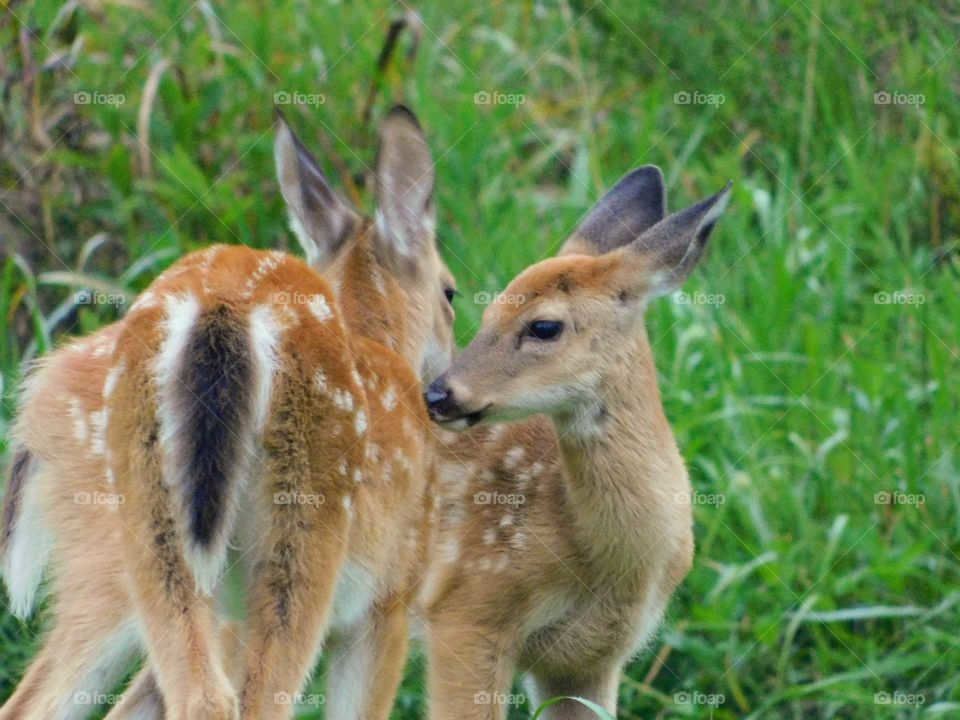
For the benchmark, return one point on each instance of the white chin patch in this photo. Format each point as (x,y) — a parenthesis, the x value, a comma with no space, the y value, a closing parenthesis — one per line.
(457,425)
(436,360)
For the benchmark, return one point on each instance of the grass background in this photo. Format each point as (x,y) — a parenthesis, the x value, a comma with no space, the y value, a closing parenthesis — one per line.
(796,392)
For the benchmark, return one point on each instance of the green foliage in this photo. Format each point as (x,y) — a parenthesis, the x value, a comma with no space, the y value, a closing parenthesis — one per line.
(801,371)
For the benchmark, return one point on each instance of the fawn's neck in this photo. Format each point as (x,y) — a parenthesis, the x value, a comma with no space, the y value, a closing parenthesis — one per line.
(623,472)
(368,299)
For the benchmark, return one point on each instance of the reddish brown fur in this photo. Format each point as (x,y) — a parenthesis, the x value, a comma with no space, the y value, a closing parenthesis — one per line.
(346,423)
(566,585)
(485,607)
(289,602)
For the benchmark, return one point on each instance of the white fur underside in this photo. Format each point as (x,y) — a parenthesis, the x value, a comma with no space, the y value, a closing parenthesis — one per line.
(28,551)
(106,663)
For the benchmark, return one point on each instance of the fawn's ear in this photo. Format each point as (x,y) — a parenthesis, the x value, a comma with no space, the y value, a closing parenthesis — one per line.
(671,248)
(636,203)
(321,219)
(406,216)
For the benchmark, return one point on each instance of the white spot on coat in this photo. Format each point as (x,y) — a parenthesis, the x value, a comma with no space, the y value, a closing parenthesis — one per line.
(81,430)
(389,398)
(343,399)
(519,540)
(319,307)
(320,380)
(144,300)
(450,550)
(513,457)
(208,259)
(265,267)
(104,347)
(113,375)
(98,438)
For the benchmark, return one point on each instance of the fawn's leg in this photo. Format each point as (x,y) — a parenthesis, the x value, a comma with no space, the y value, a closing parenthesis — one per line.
(18,704)
(366,665)
(179,622)
(142,699)
(40,669)
(180,627)
(302,510)
(288,604)
(596,685)
(80,662)
(470,669)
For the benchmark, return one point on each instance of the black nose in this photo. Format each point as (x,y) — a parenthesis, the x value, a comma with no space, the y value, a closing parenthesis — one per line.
(439,398)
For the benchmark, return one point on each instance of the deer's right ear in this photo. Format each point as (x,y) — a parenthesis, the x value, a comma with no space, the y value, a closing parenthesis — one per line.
(406,214)
(635,204)
(673,246)
(321,219)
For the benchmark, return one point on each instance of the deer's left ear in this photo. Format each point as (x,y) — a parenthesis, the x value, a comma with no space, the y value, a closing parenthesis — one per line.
(671,248)
(636,203)
(321,219)
(406,216)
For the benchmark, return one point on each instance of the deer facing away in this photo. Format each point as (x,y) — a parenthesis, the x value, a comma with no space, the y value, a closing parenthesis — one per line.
(479,468)
(241,403)
(558,557)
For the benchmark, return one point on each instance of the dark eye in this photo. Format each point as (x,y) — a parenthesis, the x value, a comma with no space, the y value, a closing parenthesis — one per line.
(450,293)
(545,329)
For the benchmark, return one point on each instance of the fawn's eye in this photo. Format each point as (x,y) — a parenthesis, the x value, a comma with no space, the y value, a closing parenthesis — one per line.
(544,329)
(450,293)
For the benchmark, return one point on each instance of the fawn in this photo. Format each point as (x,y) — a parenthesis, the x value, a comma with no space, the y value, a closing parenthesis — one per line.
(561,538)
(241,402)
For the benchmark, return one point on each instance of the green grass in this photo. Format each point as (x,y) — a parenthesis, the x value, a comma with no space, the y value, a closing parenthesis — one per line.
(797,398)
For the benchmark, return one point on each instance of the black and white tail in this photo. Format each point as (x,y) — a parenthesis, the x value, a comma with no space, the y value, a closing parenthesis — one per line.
(214,374)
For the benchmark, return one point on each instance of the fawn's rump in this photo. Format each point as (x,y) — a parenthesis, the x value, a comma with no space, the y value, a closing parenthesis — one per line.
(213,377)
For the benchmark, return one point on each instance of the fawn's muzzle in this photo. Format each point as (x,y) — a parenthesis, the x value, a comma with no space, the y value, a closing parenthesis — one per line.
(446,409)
(440,400)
